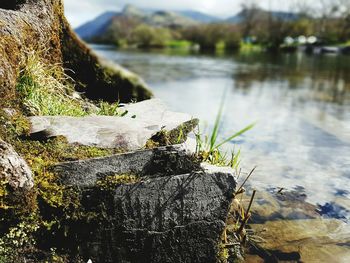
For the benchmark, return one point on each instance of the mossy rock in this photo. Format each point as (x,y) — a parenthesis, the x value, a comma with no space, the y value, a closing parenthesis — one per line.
(40,26)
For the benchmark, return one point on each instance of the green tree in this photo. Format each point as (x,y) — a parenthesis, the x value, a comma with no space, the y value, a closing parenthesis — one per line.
(147,36)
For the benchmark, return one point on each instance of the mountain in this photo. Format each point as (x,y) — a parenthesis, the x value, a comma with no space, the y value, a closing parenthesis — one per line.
(100,25)
(199,16)
(169,19)
(95,27)
(260,13)
(133,11)
(177,19)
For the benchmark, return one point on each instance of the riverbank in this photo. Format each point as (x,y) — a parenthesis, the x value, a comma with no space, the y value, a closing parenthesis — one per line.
(86,177)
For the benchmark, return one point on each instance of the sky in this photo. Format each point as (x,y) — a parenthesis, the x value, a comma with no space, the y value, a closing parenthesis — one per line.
(79,12)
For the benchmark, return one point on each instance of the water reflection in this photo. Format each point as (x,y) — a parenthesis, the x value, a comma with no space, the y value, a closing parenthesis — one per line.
(312,77)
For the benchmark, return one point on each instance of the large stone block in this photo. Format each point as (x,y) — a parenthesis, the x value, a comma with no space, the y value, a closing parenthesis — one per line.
(175,213)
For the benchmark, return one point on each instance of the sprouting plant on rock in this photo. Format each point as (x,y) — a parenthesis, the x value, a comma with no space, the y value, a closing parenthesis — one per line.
(208,147)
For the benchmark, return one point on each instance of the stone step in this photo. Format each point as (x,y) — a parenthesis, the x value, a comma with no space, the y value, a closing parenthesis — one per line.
(131,132)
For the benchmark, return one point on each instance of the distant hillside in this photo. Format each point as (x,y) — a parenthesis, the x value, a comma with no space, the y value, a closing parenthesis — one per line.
(100,26)
(199,16)
(257,12)
(102,23)
(168,19)
(95,27)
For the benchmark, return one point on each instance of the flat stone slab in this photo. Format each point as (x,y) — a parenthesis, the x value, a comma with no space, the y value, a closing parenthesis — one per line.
(131,132)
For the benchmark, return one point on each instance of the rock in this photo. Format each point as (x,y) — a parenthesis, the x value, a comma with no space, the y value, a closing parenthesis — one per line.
(306,240)
(155,112)
(40,26)
(175,213)
(127,133)
(162,161)
(14,169)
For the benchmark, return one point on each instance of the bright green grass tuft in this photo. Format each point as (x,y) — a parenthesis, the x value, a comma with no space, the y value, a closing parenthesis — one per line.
(44,92)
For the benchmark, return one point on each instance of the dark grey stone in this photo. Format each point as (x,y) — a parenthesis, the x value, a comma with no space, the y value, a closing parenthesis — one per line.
(169,160)
(176,213)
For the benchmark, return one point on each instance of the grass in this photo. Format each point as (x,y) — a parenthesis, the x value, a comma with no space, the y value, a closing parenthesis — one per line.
(180,44)
(344,44)
(110,109)
(209,147)
(45,90)
(249,47)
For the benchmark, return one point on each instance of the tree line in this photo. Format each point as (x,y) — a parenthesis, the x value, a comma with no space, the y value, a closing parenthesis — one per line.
(329,21)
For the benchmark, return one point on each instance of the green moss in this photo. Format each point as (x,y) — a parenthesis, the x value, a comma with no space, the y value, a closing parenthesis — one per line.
(175,136)
(40,156)
(110,182)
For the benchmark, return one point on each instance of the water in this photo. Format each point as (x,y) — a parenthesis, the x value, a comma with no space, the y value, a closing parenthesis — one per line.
(300,103)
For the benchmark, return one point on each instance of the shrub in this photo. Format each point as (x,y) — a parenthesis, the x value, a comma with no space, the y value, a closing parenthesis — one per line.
(146,36)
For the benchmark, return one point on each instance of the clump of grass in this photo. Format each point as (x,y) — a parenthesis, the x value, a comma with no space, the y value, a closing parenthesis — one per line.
(45,89)
(209,147)
(110,109)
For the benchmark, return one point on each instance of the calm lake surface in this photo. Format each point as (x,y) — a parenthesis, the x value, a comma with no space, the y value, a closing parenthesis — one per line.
(300,103)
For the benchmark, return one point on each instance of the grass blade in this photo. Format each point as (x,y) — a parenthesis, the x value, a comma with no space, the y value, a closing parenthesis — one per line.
(215,131)
(235,135)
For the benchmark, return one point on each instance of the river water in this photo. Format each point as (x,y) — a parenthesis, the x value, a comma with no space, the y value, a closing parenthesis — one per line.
(301,106)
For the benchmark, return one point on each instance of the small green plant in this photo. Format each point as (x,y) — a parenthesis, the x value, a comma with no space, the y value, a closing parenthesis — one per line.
(110,109)
(208,147)
(45,90)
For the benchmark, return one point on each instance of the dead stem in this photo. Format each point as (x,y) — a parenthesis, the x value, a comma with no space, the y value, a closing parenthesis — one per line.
(244,182)
(247,213)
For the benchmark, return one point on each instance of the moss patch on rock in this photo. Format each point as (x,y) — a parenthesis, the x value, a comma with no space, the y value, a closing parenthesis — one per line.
(49,202)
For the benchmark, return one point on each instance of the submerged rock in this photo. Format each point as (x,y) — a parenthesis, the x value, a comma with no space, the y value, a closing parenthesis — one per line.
(175,212)
(131,132)
(13,169)
(304,240)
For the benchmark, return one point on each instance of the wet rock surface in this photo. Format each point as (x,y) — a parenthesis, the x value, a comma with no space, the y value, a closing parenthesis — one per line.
(131,132)
(14,169)
(176,212)
(289,229)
